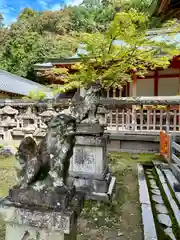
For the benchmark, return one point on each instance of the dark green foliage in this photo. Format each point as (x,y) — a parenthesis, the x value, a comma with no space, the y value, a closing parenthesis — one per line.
(37,36)
(111,63)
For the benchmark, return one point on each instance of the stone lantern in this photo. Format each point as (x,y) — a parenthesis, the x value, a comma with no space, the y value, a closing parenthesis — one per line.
(28,122)
(46,116)
(8,115)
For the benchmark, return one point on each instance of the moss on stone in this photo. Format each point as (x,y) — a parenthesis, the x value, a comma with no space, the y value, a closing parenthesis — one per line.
(175,226)
(159,228)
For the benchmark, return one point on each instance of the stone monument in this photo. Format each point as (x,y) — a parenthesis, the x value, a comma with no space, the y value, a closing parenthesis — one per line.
(43,204)
(89,168)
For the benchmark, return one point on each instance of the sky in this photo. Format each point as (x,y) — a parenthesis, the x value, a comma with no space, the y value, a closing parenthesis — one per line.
(11,8)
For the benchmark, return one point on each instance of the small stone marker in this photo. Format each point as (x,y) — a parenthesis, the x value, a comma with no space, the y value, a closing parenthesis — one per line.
(164,219)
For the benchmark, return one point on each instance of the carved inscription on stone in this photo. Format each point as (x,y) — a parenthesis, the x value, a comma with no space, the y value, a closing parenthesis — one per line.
(84,160)
(87,159)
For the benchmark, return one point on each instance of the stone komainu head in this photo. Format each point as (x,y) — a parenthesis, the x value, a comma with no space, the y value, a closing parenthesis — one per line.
(62,125)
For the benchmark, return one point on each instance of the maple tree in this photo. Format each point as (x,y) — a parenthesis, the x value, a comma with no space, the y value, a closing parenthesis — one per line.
(110,57)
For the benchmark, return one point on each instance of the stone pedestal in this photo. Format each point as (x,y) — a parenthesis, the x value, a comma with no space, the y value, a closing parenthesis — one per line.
(89,168)
(25,222)
(14,231)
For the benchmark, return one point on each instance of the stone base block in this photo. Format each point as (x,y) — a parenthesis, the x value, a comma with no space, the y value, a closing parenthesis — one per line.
(88,175)
(90,129)
(14,231)
(97,189)
(42,224)
(57,198)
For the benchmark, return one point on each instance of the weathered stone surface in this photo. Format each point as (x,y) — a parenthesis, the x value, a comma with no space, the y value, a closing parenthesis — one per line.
(156,191)
(148,223)
(143,190)
(90,129)
(152,182)
(49,219)
(176,171)
(161,176)
(164,219)
(14,231)
(157,199)
(57,198)
(47,164)
(171,180)
(169,196)
(151,177)
(161,208)
(97,189)
(170,233)
(89,168)
(101,186)
(91,140)
(154,186)
(88,160)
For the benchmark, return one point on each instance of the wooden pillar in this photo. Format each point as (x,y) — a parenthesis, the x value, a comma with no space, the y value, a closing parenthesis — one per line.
(134,83)
(156,79)
(134,93)
(128,89)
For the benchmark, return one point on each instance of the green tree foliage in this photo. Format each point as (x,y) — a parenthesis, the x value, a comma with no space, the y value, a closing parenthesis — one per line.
(37,36)
(36,95)
(3,34)
(123,48)
(92,16)
(140,5)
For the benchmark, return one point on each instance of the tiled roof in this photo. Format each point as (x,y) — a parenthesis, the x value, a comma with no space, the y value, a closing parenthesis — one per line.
(14,84)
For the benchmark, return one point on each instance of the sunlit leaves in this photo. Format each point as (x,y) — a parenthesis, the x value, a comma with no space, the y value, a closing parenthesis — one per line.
(123,48)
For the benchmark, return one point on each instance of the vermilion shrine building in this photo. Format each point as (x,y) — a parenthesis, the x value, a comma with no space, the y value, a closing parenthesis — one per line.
(156,83)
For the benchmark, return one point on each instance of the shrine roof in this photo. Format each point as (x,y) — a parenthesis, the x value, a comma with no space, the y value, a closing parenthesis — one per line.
(18,85)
